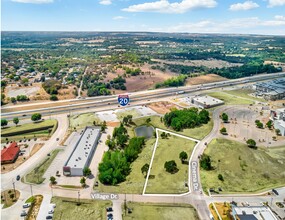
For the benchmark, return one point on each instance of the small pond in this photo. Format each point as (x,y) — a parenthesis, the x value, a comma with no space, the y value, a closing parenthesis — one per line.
(144,131)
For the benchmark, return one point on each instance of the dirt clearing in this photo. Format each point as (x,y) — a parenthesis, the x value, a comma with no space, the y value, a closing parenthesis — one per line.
(162,107)
(204,79)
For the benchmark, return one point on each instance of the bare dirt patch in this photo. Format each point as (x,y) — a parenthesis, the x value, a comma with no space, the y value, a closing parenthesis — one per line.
(67,93)
(162,107)
(113,123)
(15,90)
(211,63)
(204,79)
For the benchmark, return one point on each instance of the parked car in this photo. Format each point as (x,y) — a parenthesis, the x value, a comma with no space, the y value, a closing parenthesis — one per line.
(109,209)
(23,213)
(26,205)
(51,211)
(110,215)
(49,217)
(18,177)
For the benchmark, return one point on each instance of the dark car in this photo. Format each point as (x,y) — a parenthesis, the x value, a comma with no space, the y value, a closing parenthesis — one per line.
(110,215)
(109,209)
(18,177)
(49,217)
(23,213)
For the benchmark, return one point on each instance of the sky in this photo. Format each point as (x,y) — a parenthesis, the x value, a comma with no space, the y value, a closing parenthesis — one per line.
(192,16)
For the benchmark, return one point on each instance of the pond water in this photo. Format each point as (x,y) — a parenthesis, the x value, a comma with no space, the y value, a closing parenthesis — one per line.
(144,131)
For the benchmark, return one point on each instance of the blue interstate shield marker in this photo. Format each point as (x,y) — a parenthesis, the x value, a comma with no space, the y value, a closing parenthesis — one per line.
(123,100)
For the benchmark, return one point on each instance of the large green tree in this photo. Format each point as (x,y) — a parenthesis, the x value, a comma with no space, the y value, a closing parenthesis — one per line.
(16,121)
(183,156)
(171,166)
(36,117)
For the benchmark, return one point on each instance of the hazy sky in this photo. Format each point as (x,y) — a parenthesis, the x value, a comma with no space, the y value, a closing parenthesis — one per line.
(194,16)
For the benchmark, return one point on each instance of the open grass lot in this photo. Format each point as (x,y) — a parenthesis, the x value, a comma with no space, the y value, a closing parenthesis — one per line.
(244,169)
(9,198)
(146,211)
(123,113)
(168,149)
(67,209)
(83,120)
(36,175)
(197,133)
(244,93)
(135,181)
(30,130)
(230,99)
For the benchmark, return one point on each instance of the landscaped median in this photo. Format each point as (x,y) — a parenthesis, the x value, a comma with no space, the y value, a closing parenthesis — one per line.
(36,175)
(158,211)
(169,147)
(28,131)
(237,168)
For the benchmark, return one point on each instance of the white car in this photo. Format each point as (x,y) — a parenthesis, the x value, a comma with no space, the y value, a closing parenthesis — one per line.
(26,205)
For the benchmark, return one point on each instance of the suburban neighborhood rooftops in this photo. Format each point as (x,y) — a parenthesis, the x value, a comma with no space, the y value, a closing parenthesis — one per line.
(83,148)
(9,153)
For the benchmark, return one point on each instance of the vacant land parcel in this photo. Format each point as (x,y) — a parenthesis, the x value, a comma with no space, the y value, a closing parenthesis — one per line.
(243,169)
(168,149)
(145,211)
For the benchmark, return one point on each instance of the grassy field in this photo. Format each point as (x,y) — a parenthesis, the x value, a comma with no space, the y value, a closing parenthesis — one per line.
(67,208)
(29,135)
(244,169)
(146,211)
(121,114)
(36,175)
(230,99)
(198,133)
(244,93)
(161,181)
(7,199)
(83,120)
(135,181)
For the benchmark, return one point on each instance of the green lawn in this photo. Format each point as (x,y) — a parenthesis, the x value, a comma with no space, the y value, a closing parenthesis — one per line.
(135,181)
(230,99)
(244,93)
(161,181)
(83,120)
(121,114)
(244,169)
(36,175)
(197,133)
(67,209)
(29,130)
(147,211)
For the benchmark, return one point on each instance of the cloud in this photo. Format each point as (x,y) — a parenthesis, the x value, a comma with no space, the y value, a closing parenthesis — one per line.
(279,17)
(273,3)
(119,18)
(247,5)
(34,1)
(240,25)
(164,6)
(105,2)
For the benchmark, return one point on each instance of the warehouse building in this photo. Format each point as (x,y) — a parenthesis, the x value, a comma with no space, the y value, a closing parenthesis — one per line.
(271,90)
(206,101)
(278,118)
(82,153)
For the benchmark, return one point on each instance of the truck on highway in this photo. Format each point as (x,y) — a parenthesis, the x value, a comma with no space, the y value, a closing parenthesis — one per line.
(180,92)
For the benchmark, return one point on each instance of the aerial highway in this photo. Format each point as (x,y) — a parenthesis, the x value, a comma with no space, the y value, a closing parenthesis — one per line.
(110,102)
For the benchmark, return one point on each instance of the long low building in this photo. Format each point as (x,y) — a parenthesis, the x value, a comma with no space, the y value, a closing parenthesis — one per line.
(82,153)
(206,101)
(271,90)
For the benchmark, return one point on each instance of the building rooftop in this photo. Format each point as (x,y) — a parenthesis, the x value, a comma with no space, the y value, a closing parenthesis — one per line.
(208,100)
(83,148)
(253,212)
(9,153)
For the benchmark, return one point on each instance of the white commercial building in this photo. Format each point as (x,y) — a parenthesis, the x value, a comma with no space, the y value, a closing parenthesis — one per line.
(278,118)
(82,153)
(252,213)
(206,101)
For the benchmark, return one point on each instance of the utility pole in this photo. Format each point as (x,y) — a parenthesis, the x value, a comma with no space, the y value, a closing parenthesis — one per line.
(31,189)
(125,205)
(78,197)
(13,182)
